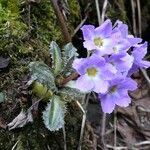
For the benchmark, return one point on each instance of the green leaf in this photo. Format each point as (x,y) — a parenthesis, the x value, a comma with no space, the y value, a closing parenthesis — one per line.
(67,69)
(71,94)
(41,91)
(42,73)
(70,51)
(2,97)
(56,57)
(54,114)
(69,54)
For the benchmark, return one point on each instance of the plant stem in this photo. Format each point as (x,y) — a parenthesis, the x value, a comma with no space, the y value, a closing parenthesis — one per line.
(69,78)
(62,23)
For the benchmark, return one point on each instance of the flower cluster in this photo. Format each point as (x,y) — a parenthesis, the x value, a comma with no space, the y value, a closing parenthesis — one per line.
(114,57)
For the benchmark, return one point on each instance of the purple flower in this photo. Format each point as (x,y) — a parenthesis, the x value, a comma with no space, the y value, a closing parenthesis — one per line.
(98,38)
(120,43)
(117,94)
(122,62)
(139,51)
(123,28)
(107,71)
(94,74)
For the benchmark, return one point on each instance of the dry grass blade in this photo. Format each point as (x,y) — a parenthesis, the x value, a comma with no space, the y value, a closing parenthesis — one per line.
(117,148)
(98,12)
(104,10)
(140,33)
(84,111)
(146,76)
(13,148)
(139,17)
(103,122)
(115,128)
(133,17)
(64,135)
(79,26)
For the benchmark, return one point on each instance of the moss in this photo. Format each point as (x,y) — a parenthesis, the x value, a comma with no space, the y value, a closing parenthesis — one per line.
(36,136)
(44,21)
(75,11)
(21,39)
(12,30)
(27,29)
(25,34)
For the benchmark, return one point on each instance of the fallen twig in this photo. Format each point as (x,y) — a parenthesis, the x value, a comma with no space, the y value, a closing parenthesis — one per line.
(62,23)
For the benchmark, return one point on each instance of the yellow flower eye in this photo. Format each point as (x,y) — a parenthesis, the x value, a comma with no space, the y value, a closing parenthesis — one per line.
(91,71)
(113,89)
(115,50)
(98,41)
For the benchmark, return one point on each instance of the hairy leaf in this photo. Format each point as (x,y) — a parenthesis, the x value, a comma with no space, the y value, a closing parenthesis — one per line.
(42,73)
(69,54)
(41,91)
(56,57)
(69,94)
(2,97)
(70,51)
(67,69)
(54,114)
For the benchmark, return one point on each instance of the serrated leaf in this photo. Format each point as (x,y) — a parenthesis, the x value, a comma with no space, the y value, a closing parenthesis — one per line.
(54,114)
(70,51)
(41,91)
(2,97)
(71,94)
(42,73)
(69,54)
(56,57)
(68,67)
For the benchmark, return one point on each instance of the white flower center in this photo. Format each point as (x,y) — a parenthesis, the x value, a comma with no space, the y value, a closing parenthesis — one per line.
(115,50)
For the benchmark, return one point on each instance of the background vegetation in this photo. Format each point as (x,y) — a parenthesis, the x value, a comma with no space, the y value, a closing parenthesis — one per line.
(26,29)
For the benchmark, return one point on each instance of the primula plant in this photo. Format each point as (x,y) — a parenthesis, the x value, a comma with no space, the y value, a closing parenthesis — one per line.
(49,84)
(113,56)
